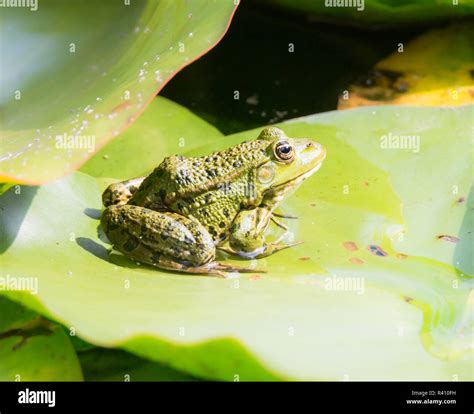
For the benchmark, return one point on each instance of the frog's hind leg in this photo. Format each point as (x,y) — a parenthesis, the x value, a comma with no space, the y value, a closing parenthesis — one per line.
(119,193)
(163,239)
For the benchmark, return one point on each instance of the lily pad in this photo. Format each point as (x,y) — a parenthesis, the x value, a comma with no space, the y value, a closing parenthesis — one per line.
(433,69)
(33,348)
(66,91)
(374,293)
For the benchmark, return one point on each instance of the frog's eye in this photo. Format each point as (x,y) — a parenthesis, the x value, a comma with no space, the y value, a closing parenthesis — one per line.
(284,151)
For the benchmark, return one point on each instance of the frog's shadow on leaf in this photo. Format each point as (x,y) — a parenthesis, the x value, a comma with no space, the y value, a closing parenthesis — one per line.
(93,247)
(90,245)
(93,213)
(12,218)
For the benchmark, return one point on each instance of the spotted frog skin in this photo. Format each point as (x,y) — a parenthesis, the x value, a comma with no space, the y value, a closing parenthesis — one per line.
(178,216)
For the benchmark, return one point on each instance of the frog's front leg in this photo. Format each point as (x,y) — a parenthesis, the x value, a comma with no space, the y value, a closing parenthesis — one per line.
(163,239)
(247,238)
(119,193)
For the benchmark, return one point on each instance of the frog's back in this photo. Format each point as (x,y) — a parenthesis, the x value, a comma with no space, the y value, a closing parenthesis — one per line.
(203,173)
(178,177)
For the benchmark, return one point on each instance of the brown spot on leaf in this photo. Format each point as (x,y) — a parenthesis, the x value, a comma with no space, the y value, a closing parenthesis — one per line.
(445,237)
(460,200)
(350,245)
(408,299)
(255,277)
(401,256)
(304,258)
(355,260)
(377,250)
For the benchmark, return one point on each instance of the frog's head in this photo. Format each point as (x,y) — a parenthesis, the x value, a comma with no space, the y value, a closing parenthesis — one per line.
(289,162)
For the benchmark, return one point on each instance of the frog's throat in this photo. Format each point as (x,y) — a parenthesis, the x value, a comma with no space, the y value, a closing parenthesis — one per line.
(287,185)
(277,193)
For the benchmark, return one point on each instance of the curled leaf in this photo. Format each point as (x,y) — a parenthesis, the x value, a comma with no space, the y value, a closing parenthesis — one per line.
(65,91)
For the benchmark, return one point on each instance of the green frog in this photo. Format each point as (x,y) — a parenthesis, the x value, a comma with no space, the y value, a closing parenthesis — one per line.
(188,207)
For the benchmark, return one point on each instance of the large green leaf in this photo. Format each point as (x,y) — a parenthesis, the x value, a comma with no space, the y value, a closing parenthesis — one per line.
(33,348)
(378,13)
(379,289)
(66,91)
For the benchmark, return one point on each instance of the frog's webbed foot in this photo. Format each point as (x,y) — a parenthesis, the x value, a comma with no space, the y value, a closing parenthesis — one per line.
(209,269)
(231,268)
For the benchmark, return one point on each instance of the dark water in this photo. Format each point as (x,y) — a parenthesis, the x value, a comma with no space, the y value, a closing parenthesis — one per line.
(282,66)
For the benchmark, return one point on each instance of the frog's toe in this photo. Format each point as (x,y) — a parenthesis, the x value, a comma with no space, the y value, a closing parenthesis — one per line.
(276,247)
(226,250)
(279,224)
(284,216)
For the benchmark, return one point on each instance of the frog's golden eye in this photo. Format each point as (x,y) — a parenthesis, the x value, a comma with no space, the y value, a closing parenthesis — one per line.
(284,151)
